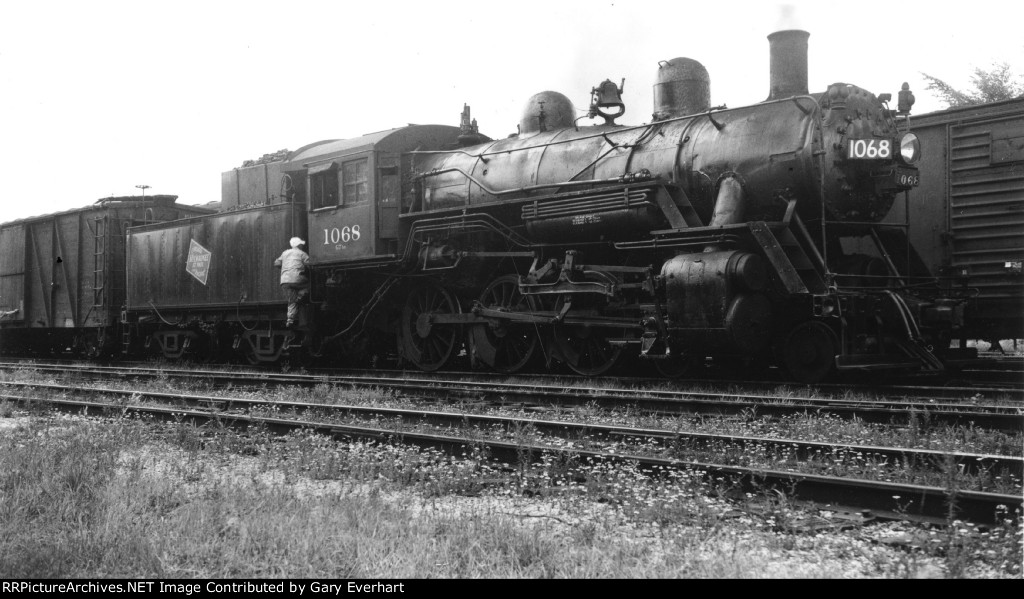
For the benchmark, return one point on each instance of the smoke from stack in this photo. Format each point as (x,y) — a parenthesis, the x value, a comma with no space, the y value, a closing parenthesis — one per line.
(787,19)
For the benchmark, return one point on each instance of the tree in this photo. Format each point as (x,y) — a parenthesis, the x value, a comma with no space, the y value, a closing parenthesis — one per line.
(997,83)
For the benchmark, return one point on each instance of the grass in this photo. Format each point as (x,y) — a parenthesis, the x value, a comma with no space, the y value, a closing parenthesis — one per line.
(129,498)
(920,432)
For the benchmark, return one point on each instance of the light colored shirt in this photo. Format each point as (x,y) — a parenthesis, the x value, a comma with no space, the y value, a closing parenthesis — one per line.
(293,265)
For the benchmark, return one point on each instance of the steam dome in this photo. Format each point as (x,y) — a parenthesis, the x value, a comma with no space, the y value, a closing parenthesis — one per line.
(545,111)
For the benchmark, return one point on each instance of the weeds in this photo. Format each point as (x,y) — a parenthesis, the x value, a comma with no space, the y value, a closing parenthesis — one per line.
(128,498)
(89,499)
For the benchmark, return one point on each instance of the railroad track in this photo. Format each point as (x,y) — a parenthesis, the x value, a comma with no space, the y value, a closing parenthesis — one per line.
(884,499)
(1008,415)
(762,388)
(905,388)
(973,463)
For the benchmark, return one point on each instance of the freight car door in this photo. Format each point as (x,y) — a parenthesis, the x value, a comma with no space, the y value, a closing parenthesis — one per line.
(986,215)
(12,273)
(342,221)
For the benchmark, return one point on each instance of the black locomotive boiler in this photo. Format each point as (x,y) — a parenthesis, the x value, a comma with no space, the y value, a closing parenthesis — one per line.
(750,235)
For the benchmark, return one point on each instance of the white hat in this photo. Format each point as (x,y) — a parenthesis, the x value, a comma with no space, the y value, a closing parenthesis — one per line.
(297,241)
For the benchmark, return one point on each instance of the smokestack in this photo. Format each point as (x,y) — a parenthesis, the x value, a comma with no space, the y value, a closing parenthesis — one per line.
(788,63)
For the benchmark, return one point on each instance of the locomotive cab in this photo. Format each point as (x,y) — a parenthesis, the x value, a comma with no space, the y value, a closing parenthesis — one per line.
(353,191)
(340,212)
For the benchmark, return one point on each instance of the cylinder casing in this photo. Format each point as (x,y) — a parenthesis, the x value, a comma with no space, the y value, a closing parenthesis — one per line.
(715,301)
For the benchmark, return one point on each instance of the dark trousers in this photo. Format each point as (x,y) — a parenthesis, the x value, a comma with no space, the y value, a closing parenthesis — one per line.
(295,292)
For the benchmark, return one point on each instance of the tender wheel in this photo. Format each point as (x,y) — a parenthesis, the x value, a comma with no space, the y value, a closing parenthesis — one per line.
(509,347)
(251,357)
(92,346)
(809,352)
(428,345)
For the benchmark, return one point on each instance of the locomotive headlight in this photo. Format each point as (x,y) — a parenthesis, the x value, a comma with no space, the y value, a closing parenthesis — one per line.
(910,148)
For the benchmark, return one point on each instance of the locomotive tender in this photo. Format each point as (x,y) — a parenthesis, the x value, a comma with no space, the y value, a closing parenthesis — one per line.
(751,234)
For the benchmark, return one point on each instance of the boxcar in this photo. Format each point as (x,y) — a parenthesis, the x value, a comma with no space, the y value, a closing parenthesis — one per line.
(968,212)
(62,275)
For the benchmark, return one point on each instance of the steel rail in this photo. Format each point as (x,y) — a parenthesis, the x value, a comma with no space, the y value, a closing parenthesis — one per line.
(1009,418)
(518,388)
(328,375)
(967,462)
(884,499)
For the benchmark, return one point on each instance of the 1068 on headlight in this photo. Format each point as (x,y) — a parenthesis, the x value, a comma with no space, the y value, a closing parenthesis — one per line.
(910,148)
(905,178)
(896,178)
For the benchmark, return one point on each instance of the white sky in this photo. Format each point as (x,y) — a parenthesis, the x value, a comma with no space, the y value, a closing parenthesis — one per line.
(97,97)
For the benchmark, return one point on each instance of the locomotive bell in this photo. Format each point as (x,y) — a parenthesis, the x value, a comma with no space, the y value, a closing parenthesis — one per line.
(683,87)
(545,111)
(606,101)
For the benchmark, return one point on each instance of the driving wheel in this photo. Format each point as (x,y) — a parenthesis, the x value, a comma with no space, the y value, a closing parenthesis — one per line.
(429,345)
(505,346)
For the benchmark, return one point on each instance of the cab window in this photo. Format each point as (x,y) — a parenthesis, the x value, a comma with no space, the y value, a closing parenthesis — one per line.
(323,187)
(353,180)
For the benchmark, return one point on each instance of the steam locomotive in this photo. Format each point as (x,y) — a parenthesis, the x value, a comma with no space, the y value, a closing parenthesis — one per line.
(752,235)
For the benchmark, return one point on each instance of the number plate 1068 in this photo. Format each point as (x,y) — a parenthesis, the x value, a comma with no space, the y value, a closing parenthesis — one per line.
(870,149)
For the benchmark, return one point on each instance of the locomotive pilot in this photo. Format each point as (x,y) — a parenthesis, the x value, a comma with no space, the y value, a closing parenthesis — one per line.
(294,282)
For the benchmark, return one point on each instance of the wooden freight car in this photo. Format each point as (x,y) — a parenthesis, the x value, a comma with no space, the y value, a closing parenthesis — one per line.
(62,275)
